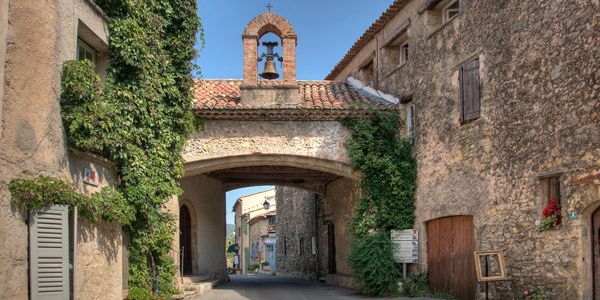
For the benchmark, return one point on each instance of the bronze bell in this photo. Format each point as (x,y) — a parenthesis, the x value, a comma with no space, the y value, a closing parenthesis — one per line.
(270,71)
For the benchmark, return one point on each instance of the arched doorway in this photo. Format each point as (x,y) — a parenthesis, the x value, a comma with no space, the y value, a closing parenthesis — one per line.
(185,239)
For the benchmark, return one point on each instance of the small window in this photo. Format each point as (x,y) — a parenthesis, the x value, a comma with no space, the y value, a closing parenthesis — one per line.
(84,51)
(284,245)
(403,53)
(451,11)
(551,189)
(367,73)
(301,246)
(469,91)
(271,220)
(410,120)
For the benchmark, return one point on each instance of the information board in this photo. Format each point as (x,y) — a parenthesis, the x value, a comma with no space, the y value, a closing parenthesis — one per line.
(406,243)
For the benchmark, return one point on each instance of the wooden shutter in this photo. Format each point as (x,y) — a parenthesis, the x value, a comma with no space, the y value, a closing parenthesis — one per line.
(469,90)
(49,253)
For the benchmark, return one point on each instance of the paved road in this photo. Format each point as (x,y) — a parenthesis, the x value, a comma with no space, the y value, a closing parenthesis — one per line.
(267,287)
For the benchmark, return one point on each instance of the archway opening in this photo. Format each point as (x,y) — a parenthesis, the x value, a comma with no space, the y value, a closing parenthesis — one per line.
(185,239)
(284,216)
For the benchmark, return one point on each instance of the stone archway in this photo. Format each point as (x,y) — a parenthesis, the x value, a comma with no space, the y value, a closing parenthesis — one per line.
(278,132)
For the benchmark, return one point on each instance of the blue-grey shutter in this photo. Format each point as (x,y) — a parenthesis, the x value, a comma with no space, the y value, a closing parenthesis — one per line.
(49,253)
(469,90)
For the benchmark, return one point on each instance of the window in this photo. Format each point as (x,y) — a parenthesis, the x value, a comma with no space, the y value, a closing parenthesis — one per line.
(551,189)
(410,120)
(403,53)
(469,91)
(451,11)
(84,51)
(284,246)
(271,220)
(301,246)
(367,73)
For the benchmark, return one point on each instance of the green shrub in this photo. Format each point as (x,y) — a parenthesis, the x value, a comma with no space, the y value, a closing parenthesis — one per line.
(265,263)
(373,264)
(415,285)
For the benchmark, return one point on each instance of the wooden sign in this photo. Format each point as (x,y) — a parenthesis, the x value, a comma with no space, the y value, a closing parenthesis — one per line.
(406,243)
(489,266)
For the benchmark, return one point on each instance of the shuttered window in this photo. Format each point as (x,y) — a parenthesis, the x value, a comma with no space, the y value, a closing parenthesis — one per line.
(469,91)
(49,253)
(551,189)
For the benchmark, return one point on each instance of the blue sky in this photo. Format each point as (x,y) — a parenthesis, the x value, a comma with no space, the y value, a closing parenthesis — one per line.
(326,30)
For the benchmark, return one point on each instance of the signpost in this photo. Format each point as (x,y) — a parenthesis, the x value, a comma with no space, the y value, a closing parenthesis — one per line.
(406,243)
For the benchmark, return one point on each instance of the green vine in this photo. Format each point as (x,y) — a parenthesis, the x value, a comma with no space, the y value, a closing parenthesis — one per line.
(107,204)
(387,202)
(140,118)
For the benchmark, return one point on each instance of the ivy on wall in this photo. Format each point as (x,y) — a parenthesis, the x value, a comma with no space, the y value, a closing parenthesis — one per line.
(140,118)
(107,204)
(387,200)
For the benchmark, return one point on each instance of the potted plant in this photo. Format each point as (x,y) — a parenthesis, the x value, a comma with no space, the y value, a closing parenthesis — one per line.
(552,216)
(266,265)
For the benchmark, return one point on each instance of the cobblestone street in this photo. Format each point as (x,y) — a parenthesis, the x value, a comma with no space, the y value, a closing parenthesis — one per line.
(258,287)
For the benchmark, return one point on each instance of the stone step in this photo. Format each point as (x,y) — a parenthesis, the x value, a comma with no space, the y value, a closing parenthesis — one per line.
(193,279)
(196,288)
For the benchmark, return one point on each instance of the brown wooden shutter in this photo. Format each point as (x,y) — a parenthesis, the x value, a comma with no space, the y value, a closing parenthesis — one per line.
(469,90)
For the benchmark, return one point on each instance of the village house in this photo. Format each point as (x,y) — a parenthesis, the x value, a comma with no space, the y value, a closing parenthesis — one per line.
(52,252)
(502,99)
(255,223)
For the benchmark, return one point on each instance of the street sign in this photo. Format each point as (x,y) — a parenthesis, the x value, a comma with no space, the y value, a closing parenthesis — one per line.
(406,244)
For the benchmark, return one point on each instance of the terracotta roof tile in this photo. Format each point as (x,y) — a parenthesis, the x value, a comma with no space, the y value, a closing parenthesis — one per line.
(214,94)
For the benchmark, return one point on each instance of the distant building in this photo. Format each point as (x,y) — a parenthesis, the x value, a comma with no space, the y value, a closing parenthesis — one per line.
(255,228)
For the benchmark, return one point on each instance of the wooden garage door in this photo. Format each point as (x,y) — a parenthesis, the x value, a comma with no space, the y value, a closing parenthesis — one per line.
(450,246)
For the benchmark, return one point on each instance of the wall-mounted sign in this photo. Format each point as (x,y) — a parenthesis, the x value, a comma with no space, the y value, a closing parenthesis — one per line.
(90,177)
(406,244)
(572,214)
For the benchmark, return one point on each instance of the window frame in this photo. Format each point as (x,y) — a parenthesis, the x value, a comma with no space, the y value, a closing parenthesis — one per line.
(548,191)
(446,11)
(86,47)
(403,53)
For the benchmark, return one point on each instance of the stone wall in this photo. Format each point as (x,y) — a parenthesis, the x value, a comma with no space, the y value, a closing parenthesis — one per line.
(295,219)
(318,139)
(206,200)
(540,104)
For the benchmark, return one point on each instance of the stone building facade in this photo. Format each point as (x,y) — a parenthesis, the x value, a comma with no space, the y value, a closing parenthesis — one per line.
(254,226)
(297,236)
(503,100)
(36,38)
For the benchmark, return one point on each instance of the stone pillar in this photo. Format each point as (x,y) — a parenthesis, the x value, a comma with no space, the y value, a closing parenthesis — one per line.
(250,59)
(289,59)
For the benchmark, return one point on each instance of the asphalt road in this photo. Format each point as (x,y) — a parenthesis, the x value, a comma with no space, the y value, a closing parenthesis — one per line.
(267,287)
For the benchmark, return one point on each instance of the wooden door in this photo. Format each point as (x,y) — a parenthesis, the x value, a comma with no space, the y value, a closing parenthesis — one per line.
(185,238)
(596,253)
(331,249)
(450,263)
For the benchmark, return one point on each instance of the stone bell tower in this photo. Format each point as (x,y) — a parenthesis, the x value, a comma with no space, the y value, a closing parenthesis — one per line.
(282,92)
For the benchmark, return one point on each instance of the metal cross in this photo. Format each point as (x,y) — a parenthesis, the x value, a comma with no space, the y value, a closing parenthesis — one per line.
(269,6)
